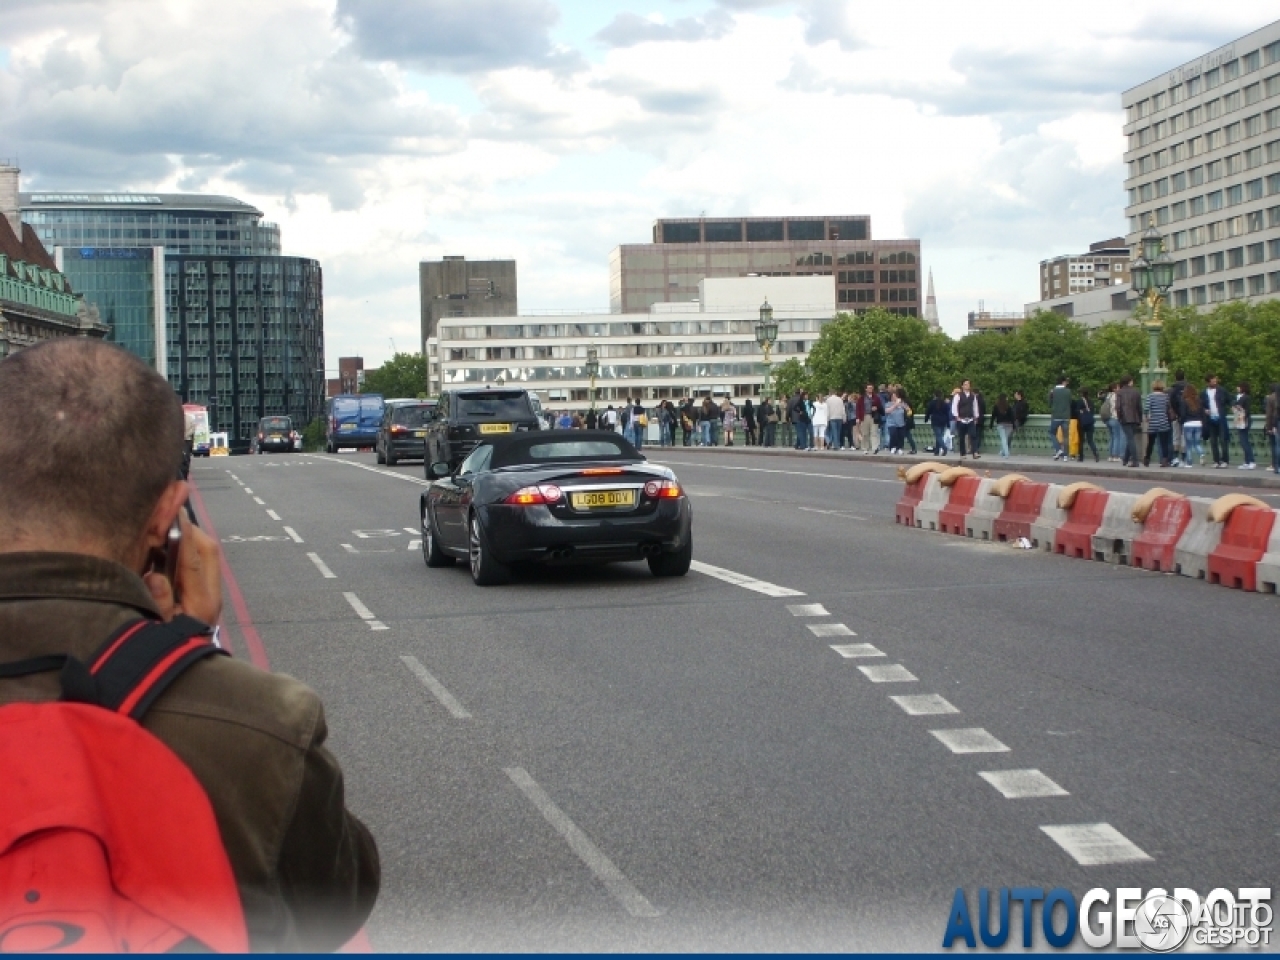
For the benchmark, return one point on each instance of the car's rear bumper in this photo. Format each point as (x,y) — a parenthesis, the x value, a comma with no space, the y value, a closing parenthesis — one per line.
(518,534)
(412,449)
(276,446)
(353,439)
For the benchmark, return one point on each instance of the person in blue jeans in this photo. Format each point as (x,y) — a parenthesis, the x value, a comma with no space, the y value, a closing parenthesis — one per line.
(938,412)
(1060,419)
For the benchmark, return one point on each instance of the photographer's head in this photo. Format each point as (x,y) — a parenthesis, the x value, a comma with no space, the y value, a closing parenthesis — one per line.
(90,448)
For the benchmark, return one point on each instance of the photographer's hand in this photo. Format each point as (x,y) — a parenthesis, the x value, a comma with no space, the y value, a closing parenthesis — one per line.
(199,583)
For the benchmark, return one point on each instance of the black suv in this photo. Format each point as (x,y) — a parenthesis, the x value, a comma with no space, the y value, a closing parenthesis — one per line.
(402,432)
(464,417)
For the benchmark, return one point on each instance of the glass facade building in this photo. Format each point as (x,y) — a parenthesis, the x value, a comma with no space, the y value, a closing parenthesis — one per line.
(122,282)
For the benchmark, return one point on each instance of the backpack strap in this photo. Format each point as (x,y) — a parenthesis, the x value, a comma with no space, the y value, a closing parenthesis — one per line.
(142,659)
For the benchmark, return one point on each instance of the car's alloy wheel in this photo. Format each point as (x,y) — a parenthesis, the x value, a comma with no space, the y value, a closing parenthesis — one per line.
(485,570)
(673,564)
(431,552)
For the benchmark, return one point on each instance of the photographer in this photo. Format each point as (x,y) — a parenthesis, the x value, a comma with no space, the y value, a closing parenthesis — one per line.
(92,443)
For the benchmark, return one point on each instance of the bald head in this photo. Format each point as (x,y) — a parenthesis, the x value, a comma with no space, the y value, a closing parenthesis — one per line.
(90,438)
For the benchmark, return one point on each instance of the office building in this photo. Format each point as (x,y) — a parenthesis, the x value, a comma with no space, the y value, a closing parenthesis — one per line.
(983,320)
(350,377)
(1090,306)
(865,272)
(1203,164)
(37,302)
(675,350)
(1105,265)
(457,287)
(197,287)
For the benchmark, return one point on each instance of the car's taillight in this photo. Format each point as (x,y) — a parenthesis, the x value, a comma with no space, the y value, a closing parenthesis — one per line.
(397,428)
(546,493)
(670,490)
(262,436)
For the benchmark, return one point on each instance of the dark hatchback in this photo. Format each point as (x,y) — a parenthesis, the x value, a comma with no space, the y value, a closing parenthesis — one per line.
(402,433)
(555,497)
(465,416)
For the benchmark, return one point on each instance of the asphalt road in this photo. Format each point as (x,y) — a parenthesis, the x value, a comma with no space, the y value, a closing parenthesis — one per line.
(596,759)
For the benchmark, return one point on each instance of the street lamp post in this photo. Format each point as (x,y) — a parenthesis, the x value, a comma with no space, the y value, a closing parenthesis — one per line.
(1152,277)
(766,336)
(593,368)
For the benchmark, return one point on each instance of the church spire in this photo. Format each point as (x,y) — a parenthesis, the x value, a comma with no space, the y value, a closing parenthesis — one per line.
(931,306)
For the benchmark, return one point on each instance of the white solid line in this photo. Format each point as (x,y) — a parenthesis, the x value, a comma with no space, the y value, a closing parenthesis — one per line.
(790,473)
(970,740)
(807,610)
(294,533)
(831,513)
(259,501)
(384,473)
(851,650)
(924,705)
(447,699)
(742,580)
(830,630)
(1093,844)
(273,515)
(889,673)
(324,571)
(414,531)
(363,612)
(1019,784)
(612,878)
(377,625)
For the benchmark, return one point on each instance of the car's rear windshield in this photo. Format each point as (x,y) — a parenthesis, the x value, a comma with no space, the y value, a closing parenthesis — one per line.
(371,405)
(345,406)
(276,423)
(415,415)
(512,405)
(544,448)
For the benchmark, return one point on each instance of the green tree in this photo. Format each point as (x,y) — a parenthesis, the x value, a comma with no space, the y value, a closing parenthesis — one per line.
(881,347)
(788,377)
(1235,341)
(404,375)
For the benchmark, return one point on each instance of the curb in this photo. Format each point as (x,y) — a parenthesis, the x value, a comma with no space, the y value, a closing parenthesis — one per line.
(1260,479)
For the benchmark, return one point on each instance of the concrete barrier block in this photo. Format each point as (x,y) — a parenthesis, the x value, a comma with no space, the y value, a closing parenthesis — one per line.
(1113,543)
(1201,538)
(934,499)
(986,510)
(1045,530)
(1269,565)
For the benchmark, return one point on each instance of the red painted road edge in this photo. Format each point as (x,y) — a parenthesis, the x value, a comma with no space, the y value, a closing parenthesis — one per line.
(257,652)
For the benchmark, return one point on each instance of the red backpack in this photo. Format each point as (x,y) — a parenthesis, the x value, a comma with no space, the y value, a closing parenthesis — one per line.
(108,843)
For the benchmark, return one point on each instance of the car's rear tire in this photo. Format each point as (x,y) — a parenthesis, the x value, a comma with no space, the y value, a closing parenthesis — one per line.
(431,551)
(330,448)
(377,454)
(391,458)
(485,570)
(673,564)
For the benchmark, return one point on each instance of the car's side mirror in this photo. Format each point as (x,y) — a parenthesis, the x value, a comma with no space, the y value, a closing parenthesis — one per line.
(439,470)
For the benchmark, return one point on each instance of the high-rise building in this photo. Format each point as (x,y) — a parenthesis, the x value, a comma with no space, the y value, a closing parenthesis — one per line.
(1105,265)
(685,251)
(457,287)
(196,286)
(1203,164)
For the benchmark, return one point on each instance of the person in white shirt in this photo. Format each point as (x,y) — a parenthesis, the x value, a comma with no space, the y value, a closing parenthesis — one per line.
(835,421)
(820,421)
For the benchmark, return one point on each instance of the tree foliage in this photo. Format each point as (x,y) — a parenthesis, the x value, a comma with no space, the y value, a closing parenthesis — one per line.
(880,347)
(788,377)
(404,375)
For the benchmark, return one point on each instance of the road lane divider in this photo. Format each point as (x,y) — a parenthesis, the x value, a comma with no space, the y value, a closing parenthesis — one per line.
(807,610)
(294,535)
(744,581)
(447,700)
(830,630)
(273,515)
(622,889)
(924,705)
(789,473)
(322,567)
(851,651)
(969,740)
(888,673)
(384,473)
(259,501)
(248,491)
(364,613)
(1095,844)
(1022,784)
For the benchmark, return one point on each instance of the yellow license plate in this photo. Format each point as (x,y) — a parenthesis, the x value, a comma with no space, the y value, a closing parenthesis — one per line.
(419,433)
(276,436)
(495,428)
(604,498)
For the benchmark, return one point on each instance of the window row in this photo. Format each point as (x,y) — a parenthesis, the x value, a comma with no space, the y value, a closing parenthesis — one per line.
(1208,80)
(640,328)
(1214,140)
(1254,286)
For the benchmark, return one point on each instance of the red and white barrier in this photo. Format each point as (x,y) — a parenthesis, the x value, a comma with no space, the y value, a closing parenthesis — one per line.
(1201,538)
(1113,540)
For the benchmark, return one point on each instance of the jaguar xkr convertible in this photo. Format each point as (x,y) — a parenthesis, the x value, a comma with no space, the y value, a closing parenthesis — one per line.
(555,497)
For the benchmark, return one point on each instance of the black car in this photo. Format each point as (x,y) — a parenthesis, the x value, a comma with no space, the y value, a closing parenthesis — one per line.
(275,433)
(465,416)
(555,497)
(403,430)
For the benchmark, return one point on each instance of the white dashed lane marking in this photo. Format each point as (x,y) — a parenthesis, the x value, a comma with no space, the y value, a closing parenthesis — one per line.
(259,501)
(248,491)
(273,515)
(294,534)
(1095,844)
(807,610)
(363,612)
(852,650)
(924,705)
(320,565)
(1020,784)
(742,580)
(970,740)
(889,673)
(830,630)
(447,700)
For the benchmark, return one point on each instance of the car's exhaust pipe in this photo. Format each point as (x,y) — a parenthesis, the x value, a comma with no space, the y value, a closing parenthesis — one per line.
(560,553)
(650,549)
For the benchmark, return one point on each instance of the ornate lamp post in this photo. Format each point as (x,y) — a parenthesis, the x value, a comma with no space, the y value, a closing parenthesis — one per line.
(766,336)
(1152,277)
(593,368)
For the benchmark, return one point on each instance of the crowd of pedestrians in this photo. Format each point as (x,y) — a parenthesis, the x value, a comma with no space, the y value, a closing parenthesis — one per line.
(1184,424)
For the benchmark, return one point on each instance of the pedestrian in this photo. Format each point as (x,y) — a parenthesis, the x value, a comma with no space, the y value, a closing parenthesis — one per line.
(592,419)
(883,394)
(1272,426)
(1242,421)
(1020,413)
(979,420)
(265,794)
(869,414)
(1107,414)
(639,424)
(768,422)
(728,420)
(749,422)
(1214,402)
(1082,413)
(688,420)
(964,411)
(1129,413)
(1002,418)
(1176,390)
(565,420)
(576,423)
(706,414)
(835,421)
(895,415)
(1060,419)
(799,418)
(938,413)
(610,419)
(850,438)
(1159,428)
(188,441)
(820,413)
(1191,415)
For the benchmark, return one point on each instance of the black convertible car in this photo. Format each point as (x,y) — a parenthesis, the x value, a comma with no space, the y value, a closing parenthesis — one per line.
(557,497)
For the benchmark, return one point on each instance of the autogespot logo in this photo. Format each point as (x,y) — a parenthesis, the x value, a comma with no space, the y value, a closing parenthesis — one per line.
(1126,918)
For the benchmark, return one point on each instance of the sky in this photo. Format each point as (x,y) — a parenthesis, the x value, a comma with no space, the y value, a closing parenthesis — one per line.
(380,133)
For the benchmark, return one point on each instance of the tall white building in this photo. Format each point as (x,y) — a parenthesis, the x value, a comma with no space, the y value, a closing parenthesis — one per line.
(1203,162)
